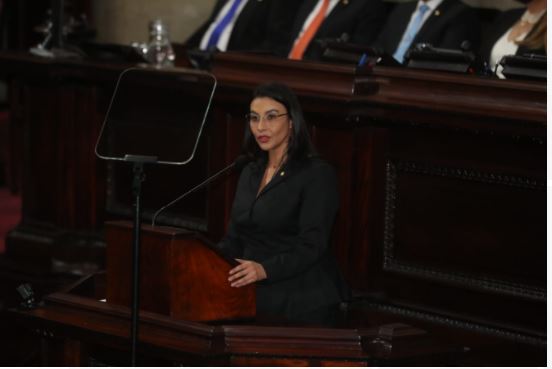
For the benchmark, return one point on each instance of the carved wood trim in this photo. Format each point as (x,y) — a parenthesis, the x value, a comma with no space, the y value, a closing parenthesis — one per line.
(392,264)
(456,323)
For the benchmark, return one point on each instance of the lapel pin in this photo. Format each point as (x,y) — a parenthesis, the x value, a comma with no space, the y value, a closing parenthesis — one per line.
(437,13)
(345,2)
(282,173)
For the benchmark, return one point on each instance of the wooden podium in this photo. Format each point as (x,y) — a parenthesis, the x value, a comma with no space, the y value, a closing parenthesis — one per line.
(181,276)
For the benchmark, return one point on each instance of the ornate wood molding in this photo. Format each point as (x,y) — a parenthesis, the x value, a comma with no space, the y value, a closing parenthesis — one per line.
(478,282)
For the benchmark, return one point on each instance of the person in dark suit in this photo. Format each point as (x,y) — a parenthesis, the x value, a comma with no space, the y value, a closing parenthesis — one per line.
(516,32)
(355,21)
(445,24)
(247,25)
(283,213)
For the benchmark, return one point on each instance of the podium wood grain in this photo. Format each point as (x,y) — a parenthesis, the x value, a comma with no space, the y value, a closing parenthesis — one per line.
(180,276)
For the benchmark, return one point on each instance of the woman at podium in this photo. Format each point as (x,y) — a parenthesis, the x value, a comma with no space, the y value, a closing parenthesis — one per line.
(283,213)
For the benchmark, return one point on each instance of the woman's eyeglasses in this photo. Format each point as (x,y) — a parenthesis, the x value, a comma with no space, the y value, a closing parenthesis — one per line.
(269,117)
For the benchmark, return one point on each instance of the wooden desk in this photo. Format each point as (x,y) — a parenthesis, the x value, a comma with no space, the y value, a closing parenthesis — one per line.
(78,330)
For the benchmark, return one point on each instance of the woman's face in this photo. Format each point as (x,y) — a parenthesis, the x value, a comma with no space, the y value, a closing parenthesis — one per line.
(270,124)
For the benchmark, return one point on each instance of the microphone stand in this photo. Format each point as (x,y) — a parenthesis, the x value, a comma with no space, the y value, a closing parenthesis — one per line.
(197,187)
(138,178)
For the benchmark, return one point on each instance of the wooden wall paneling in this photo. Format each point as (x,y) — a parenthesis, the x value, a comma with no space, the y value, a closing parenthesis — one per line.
(463,159)
(336,145)
(226,132)
(41,169)
(73,352)
(368,194)
(63,182)
(36,118)
(84,175)
(218,191)
(446,208)
(93,177)
(15,140)
(448,195)
(66,156)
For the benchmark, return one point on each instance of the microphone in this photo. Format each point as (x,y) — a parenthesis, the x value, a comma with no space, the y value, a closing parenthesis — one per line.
(344,37)
(325,42)
(466,45)
(238,164)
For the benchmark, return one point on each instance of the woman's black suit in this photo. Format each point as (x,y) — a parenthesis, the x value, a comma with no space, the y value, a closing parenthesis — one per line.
(286,228)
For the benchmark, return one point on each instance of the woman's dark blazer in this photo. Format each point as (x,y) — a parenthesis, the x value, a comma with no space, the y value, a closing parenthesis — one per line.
(503,23)
(355,21)
(263,25)
(286,228)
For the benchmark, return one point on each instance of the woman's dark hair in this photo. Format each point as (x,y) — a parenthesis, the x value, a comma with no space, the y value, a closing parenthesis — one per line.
(300,145)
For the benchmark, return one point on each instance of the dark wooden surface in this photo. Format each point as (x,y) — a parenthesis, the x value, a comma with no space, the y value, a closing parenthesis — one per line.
(180,276)
(77,328)
(75,321)
(441,179)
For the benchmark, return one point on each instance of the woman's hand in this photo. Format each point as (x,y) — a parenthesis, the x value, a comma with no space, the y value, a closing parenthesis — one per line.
(246,273)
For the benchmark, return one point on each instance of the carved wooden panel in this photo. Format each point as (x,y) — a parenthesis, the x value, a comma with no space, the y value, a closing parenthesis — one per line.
(474,249)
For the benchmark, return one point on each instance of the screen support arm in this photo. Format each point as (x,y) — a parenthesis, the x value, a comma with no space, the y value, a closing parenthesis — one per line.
(138,178)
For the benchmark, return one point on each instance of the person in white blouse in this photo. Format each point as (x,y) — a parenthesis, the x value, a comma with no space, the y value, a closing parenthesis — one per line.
(517,32)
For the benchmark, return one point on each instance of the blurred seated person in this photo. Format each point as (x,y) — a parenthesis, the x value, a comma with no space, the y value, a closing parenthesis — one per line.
(247,25)
(517,32)
(355,21)
(444,24)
